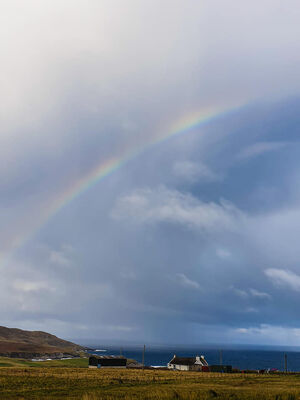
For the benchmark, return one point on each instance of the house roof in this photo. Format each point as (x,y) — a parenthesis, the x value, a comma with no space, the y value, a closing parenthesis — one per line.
(183,360)
(201,361)
(107,361)
(107,357)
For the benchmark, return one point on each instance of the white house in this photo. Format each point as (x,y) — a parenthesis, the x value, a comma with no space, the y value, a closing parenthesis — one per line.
(187,363)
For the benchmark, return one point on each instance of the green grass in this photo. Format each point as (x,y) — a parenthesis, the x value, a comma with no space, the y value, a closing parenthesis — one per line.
(46,382)
(17,362)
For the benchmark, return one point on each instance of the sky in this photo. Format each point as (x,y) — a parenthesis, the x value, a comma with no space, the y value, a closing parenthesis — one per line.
(149,170)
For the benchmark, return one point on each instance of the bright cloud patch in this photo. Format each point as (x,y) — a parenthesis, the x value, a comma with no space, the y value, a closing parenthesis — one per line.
(284,278)
(258,294)
(172,206)
(194,172)
(185,281)
(266,333)
(32,286)
(250,293)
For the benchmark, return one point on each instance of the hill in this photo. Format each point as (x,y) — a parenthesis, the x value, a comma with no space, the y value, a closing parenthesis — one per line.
(35,344)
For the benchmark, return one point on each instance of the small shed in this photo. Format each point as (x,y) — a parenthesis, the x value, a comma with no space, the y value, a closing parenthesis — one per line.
(187,363)
(107,362)
(221,368)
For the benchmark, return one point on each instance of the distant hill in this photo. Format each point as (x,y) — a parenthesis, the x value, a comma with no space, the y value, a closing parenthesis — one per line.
(35,344)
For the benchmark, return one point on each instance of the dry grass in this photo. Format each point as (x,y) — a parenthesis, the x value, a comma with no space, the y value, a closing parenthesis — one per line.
(111,384)
(87,384)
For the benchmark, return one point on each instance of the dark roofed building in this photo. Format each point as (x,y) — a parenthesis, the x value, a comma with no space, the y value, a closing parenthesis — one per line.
(107,362)
(187,363)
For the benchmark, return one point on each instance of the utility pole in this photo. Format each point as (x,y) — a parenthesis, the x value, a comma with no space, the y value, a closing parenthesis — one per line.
(221,357)
(285,362)
(143,359)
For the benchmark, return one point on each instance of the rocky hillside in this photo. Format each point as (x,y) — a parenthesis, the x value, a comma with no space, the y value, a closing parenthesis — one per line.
(31,344)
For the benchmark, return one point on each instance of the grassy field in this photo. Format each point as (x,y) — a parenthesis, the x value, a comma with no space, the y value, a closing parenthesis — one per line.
(16,362)
(21,381)
(18,380)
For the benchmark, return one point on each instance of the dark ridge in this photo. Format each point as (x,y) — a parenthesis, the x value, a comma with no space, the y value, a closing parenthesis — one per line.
(30,344)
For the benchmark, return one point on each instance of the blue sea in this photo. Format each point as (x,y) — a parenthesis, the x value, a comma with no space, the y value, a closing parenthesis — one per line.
(239,358)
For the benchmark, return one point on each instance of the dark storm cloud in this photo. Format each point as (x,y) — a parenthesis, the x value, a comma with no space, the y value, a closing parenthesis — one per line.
(196,233)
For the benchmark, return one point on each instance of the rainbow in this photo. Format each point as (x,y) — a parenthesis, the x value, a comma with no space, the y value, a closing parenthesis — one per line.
(110,165)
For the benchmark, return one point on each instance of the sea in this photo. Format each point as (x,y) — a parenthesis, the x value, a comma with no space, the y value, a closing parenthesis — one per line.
(243,359)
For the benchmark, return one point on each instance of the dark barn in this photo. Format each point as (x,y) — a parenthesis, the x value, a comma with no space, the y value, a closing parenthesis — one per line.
(107,362)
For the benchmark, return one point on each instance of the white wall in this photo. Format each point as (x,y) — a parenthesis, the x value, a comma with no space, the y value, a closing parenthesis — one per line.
(179,367)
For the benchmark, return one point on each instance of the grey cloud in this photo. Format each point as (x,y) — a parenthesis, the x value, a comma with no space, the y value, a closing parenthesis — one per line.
(259,148)
(82,81)
(223,253)
(62,257)
(129,262)
(185,281)
(248,293)
(275,234)
(240,293)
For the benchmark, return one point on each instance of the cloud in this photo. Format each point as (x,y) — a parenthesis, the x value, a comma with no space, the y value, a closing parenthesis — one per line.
(63,256)
(284,278)
(194,172)
(74,94)
(119,328)
(258,294)
(223,253)
(242,330)
(251,310)
(250,293)
(59,258)
(186,282)
(269,334)
(171,206)
(240,293)
(127,274)
(32,286)
(260,148)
